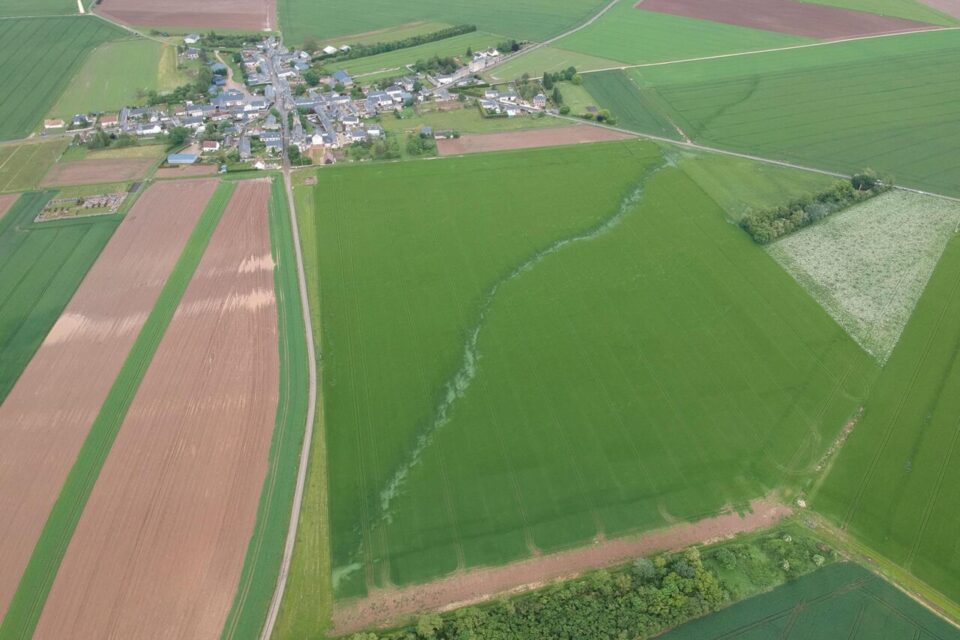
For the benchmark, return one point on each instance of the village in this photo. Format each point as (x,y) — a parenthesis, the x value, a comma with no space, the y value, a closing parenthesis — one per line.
(287,99)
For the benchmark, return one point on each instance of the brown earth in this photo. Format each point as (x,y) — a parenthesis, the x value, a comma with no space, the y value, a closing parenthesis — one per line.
(786,16)
(949,7)
(548,137)
(244,15)
(47,414)
(186,172)
(6,202)
(160,545)
(385,607)
(94,171)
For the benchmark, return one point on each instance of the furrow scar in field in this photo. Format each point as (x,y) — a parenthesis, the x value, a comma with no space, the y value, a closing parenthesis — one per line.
(457,386)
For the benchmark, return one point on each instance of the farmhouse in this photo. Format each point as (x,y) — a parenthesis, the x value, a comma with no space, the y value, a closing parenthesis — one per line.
(55,123)
(210,146)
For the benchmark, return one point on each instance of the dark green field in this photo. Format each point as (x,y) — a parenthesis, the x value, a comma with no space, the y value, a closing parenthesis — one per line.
(633,108)
(838,601)
(41,265)
(894,484)
(596,350)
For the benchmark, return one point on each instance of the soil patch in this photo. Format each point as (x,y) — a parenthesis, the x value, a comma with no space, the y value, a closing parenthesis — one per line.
(161,543)
(385,607)
(187,172)
(6,202)
(949,7)
(96,171)
(548,137)
(786,16)
(47,415)
(244,15)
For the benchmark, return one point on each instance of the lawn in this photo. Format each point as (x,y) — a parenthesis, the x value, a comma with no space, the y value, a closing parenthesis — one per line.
(466,120)
(909,9)
(548,58)
(56,49)
(634,107)
(636,36)
(839,601)
(113,77)
(887,103)
(22,166)
(591,347)
(20,8)
(41,265)
(394,61)
(893,486)
(531,20)
(576,97)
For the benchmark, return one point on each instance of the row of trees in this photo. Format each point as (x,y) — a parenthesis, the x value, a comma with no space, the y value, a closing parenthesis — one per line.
(767,225)
(568,75)
(364,50)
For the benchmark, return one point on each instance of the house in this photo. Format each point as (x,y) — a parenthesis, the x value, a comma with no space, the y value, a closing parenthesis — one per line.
(55,123)
(244,148)
(209,146)
(426,132)
(512,111)
(342,77)
(152,129)
(345,48)
(540,101)
(301,66)
(191,39)
(328,50)
(444,134)
(273,146)
(375,131)
(491,94)
(192,54)
(192,122)
(182,158)
(443,81)
(271,123)
(109,121)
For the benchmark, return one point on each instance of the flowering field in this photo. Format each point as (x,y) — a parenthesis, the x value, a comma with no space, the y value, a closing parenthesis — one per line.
(868,265)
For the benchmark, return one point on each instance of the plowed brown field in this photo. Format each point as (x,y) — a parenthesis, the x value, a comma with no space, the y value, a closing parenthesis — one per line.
(94,171)
(549,137)
(6,202)
(949,7)
(160,545)
(47,414)
(245,15)
(786,16)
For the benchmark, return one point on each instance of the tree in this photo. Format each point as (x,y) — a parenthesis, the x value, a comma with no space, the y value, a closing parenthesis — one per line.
(557,97)
(312,77)
(311,44)
(577,79)
(177,136)
(644,570)
(569,73)
(469,52)
(547,81)
(428,625)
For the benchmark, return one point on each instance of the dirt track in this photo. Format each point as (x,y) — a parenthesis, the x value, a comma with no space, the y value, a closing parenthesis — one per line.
(387,606)
(94,171)
(159,548)
(47,414)
(245,15)
(786,16)
(6,202)
(547,137)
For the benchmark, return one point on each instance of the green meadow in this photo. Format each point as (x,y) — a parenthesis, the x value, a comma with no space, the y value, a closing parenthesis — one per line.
(893,486)
(887,103)
(22,166)
(530,20)
(601,351)
(41,265)
(56,49)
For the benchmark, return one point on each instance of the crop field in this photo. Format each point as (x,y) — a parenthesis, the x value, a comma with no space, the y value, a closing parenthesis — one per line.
(394,61)
(633,107)
(893,486)
(112,77)
(908,9)
(531,20)
(496,412)
(868,265)
(23,165)
(96,169)
(57,48)
(839,601)
(887,103)
(389,34)
(634,36)
(41,265)
(19,8)
(173,15)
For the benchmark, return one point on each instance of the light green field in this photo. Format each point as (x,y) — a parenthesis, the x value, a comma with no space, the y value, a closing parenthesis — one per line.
(576,97)
(466,120)
(18,8)
(634,107)
(23,165)
(114,76)
(55,48)
(893,485)
(635,36)
(838,601)
(41,265)
(600,351)
(389,34)
(887,103)
(394,61)
(909,9)
(551,59)
(531,20)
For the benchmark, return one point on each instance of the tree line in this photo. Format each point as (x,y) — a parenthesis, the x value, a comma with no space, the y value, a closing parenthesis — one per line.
(767,225)
(364,50)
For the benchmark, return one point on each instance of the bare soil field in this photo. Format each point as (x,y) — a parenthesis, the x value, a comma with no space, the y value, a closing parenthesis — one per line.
(949,7)
(547,137)
(47,415)
(786,16)
(6,202)
(385,607)
(160,545)
(95,171)
(244,15)
(187,172)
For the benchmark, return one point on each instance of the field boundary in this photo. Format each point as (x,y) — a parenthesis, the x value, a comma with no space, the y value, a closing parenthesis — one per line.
(35,584)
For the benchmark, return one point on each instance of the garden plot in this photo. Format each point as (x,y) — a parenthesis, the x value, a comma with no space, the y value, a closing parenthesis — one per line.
(869,265)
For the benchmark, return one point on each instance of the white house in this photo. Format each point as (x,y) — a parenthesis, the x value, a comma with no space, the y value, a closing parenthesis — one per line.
(329,50)
(191,39)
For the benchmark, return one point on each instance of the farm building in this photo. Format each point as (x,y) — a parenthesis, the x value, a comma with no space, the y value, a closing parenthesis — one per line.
(329,50)
(191,39)
(182,158)
(55,123)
